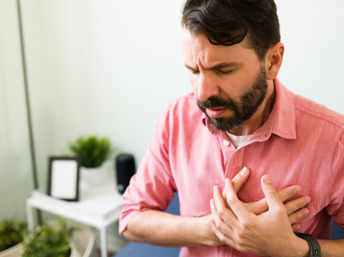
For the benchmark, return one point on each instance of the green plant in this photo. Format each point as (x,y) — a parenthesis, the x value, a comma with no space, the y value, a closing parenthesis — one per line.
(11,233)
(49,240)
(92,150)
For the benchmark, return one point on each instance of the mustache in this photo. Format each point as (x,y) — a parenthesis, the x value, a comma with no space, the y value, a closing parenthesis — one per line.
(215,102)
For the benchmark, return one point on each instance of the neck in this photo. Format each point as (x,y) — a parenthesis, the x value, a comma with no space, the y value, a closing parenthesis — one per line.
(260,116)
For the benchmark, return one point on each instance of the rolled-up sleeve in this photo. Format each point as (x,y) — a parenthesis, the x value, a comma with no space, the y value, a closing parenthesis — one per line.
(153,186)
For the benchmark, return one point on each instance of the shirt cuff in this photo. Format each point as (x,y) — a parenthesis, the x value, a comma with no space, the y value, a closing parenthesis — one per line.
(124,220)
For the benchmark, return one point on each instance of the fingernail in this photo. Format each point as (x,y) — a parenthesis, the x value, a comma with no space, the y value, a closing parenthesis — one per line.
(297,190)
(307,200)
(244,171)
(266,179)
(296,227)
(305,212)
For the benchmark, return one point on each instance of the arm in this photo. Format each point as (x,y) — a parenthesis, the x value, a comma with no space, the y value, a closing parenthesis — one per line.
(332,248)
(159,228)
(156,227)
(268,233)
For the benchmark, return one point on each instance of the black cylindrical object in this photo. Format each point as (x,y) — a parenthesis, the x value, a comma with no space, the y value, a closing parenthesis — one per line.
(125,169)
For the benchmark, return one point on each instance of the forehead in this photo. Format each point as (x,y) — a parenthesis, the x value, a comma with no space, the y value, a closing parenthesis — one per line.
(197,48)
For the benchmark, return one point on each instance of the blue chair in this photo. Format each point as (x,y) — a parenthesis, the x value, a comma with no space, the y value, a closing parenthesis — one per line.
(337,232)
(143,250)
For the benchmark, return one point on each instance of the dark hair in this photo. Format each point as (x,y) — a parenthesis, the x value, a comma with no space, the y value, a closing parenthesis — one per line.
(228,22)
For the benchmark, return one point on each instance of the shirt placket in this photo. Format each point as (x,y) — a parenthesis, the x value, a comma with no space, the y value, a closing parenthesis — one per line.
(235,163)
(233,160)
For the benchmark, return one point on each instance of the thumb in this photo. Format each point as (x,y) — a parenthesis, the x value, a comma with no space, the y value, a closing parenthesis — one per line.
(270,193)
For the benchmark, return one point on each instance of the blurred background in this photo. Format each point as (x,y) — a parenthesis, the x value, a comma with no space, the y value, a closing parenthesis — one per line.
(110,67)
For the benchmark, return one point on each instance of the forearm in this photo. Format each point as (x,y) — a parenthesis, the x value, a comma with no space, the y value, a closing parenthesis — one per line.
(332,248)
(164,229)
(329,248)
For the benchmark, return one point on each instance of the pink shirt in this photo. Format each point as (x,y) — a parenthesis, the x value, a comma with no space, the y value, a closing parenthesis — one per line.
(301,143)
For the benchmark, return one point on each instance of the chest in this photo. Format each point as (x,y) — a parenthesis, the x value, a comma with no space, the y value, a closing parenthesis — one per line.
(286,165)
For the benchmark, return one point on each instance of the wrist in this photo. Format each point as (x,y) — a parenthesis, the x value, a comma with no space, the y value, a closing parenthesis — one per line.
(314,247)
(295,246)
(206,234)
(301,247)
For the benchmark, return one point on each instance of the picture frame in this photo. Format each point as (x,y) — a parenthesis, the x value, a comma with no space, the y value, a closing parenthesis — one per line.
(63,177)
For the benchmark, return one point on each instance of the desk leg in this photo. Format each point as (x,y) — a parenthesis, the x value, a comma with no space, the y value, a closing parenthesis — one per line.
(103,248)
(29,213)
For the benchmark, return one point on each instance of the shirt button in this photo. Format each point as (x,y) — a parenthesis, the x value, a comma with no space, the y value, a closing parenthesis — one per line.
(225,143)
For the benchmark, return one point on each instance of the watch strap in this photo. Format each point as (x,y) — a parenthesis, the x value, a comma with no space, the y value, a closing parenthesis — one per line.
(314,247)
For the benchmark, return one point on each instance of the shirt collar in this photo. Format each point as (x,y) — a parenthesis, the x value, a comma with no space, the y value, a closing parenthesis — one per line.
(284,124)
(281,121)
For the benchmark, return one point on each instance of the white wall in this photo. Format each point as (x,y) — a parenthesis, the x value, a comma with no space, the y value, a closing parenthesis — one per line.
(110,67)
(313,33)
(104,67)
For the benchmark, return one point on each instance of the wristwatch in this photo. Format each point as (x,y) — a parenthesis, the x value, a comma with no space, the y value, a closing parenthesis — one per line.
(314,247)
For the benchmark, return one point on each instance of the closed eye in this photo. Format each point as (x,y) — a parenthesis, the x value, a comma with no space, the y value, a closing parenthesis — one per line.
(194,71)
(220,71)
(224,68)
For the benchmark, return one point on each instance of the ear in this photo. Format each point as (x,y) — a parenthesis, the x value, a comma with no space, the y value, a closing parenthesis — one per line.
(273,60)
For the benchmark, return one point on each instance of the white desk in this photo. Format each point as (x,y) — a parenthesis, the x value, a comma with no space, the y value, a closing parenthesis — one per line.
(98,207)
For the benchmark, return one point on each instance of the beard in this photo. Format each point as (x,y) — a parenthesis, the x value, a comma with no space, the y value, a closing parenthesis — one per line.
(243,109)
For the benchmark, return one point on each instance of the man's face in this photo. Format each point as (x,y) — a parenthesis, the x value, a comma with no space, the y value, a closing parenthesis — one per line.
(229,82)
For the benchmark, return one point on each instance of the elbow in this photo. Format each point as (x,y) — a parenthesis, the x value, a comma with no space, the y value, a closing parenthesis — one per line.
(131,236)
(127,234)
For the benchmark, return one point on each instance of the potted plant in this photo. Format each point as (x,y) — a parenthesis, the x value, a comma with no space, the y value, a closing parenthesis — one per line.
(93,151)
(11,236)
(50,239)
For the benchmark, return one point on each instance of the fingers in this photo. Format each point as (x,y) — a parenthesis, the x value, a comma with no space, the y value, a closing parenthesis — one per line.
(295,227)
(295,209)
(271,194)
(218,222)
(298,215)
(222,237)
(284,194)
(221,208)
(222,216)
(238,207)
(289,192)
(240,179)
(297,204)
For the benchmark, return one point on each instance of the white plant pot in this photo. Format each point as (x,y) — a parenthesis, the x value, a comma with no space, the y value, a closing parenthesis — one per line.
(74,251)
(85,242)
(92,177)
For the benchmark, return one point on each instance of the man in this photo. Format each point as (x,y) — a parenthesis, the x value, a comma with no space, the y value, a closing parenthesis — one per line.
(241,124)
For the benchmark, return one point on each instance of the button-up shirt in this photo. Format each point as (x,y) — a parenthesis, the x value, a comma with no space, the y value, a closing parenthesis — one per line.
(301,143)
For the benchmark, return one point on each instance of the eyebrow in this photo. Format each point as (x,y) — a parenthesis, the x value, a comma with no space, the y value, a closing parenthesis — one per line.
(217,66)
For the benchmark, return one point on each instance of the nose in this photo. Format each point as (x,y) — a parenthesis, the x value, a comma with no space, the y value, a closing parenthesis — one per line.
(206,87)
